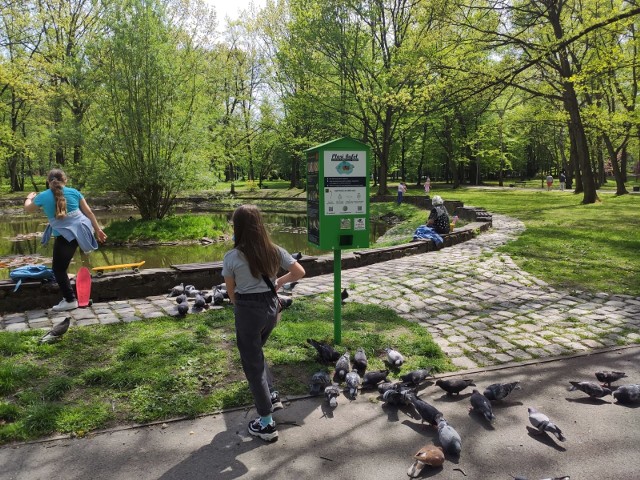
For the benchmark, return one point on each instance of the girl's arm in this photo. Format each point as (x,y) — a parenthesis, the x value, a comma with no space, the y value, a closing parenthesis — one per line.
(231,289)
(29,206)
(84,206)
(296,272)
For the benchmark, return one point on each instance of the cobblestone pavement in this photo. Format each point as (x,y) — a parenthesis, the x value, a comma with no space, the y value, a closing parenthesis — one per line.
(478,305)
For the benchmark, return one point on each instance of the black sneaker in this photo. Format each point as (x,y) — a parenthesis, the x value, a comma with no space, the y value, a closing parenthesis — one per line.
(268,433)
(276,404)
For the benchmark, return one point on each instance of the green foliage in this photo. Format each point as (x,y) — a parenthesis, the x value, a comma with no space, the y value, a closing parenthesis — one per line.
(184,227)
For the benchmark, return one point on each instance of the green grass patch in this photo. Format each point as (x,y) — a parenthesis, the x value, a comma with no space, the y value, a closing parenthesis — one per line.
(101,376)
(169,229)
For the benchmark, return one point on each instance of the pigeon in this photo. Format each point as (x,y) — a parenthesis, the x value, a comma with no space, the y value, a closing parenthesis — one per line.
(56,332)
(449,438)
(498,391)
(565,477)
(394,357)
(193,292)
(177,290)
(415,377)
(543,424)
(222,288)
(386,386)
(297,256)
(627,393)
(360,361)
(325,351)
(429,413)
(181,298)
(331,393)
(590,388)
(481,404)
(199,302)
(218,296)
(344,295)
(455,385)
(609,377)
(208,298)
(319,381)
(183,308)
(342,367)
(397,397)
(188,288)
(427,455)
(289,286)
(373,378)
(285,302)
(352,379)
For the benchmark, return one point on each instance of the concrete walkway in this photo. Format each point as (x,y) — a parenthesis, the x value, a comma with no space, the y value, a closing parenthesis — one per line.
(479,306)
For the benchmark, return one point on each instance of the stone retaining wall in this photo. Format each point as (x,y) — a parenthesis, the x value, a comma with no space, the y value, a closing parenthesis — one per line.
(155,281)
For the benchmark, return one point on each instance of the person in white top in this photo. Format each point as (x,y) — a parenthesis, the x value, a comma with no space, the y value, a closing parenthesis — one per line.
(402,189)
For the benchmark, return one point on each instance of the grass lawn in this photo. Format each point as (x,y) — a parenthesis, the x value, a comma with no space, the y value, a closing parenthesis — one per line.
(105,375)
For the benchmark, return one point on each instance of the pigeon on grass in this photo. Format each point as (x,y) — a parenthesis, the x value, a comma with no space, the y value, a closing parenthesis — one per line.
(352,379)
(326,352)
(394,357)
(343,367)
(373,378)
(56,332)
(360,361)
(542,423)
(344,295)
(319,381)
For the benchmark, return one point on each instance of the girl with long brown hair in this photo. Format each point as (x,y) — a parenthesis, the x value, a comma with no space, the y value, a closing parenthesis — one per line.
(72,224)
(248,270)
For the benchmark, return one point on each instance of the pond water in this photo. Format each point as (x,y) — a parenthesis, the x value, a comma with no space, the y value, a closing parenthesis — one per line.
(288,231)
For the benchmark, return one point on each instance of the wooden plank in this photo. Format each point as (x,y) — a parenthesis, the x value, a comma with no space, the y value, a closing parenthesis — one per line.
(191,267)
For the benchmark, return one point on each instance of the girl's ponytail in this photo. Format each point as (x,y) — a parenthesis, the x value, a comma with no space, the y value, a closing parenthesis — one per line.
(57,179)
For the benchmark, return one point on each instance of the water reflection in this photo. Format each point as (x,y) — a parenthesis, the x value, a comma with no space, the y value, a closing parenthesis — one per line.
(289,231)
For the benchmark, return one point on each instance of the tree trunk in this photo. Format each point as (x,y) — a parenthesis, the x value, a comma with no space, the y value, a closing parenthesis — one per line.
(621,189)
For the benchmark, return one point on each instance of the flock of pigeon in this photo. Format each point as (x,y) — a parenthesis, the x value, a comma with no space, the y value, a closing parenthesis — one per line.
(404,392)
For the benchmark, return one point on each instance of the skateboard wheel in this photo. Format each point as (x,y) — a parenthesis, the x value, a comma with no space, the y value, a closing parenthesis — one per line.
(99,273)
(136,270)
(90,302)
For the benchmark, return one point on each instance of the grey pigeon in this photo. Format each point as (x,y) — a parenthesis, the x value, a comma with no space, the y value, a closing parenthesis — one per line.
(319,381)
(208,298)
(218,296)
(286,302)
(360,361)
(415,377)
(56,332)
(429,413)
(297,256)
(482,405)
(193,292)
(325,351)
(397,397)
(455,385)
(199,302)
(331,393)
(627,393)
(177,290)
(566,477)
(394,357)
(610,377)
(449,438)
(343,366)
(498,391)
(181,298)
(289,286)
(344,295)
(373,378)
(183,308)
(222,288)
(386,386)
(542,423)
(590,388)
(352,379)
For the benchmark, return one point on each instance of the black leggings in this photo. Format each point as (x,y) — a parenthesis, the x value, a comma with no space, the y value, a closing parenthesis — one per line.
(63,252)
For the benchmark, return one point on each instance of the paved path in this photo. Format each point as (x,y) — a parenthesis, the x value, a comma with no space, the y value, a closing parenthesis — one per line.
(479,306)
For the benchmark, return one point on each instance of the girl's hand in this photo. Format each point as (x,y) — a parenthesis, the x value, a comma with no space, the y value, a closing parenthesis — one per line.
(102,237)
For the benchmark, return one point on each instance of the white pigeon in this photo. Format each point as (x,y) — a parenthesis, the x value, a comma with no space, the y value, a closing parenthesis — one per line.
(352,379)
(541,422)
(394,357)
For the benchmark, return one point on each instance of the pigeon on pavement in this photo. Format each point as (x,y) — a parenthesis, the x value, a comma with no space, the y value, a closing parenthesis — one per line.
(386,386)
(498,391)
(610,377)
(342,367)
(331,393)
(177,290)
(325,351)
(427,455)
(297,256)
(455,385)
(397,397)
(429,413)
(542,423)
(360,361)
(415,377)
(449,438)
(181,298)
(590,388)
(319,381)
(183,308)
(394,357)
(627,393)
(199,302)
(56,332)
(218,296)
(352,379)
(289,286)
(373,378)
(482,405)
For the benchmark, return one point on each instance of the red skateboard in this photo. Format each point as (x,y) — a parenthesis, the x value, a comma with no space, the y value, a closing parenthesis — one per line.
(83,287)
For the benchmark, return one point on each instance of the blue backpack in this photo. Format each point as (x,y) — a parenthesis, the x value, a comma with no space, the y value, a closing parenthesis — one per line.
(31,272)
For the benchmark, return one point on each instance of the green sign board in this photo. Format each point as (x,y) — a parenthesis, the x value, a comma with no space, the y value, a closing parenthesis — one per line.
(338,194)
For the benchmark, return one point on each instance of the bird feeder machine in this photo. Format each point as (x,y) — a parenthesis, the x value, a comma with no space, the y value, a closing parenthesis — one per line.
(338,203)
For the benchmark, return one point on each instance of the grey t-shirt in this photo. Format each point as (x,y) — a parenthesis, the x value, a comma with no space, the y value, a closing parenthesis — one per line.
(235,265)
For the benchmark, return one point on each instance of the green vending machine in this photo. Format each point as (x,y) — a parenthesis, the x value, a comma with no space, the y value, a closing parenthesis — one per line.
(338,205)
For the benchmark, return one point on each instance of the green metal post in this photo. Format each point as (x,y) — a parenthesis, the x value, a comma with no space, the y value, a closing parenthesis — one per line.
(337,297)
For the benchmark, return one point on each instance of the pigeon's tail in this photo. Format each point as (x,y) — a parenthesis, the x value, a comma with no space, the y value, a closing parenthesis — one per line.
(516,386)
(574,386)
(333,402)
(471,384)
(490,416)
(557,432)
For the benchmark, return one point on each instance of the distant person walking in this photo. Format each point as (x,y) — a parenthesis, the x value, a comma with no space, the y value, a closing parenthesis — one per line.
(563,179)
(427,187)
(549,182)
(402,189)
(250,270)
(71,223)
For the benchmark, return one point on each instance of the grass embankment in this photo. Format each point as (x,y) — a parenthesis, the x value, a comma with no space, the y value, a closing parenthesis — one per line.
(169,229)
(101,376)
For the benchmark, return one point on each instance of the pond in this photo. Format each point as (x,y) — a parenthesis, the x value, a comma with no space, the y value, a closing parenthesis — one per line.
(20,244)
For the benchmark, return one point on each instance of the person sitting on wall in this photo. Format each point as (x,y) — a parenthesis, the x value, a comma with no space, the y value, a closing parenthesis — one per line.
(439,217)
